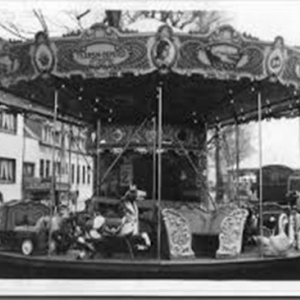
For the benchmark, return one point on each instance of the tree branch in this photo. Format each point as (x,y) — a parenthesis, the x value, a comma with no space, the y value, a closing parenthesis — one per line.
(13,32)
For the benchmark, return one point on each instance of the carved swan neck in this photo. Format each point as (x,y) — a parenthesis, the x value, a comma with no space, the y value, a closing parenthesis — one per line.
(283,220)
(292,228)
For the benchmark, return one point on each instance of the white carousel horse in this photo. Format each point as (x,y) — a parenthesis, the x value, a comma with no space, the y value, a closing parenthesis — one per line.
(128,225)
(280,244)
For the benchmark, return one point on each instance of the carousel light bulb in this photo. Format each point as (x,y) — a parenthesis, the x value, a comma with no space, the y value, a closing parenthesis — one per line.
(253,89)
(110,111)
(79,98)
(231,101)
(81,89)
(63,86)
(230,92)
(95,109)
(97,100)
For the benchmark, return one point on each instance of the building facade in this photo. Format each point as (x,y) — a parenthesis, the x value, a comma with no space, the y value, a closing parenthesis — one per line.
(26,147)
(11,144)
(66,147)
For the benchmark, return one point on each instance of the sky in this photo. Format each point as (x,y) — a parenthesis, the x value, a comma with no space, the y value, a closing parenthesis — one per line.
(264,19)
(280,143)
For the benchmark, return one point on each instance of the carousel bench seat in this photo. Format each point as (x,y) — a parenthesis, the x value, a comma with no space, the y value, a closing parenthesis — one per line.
(205,245)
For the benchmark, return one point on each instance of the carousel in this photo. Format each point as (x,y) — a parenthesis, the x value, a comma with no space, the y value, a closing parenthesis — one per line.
(148,101)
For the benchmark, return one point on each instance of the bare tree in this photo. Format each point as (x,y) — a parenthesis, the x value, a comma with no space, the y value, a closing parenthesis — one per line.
(198,21)
(189,21)
(228,145)
(223,151)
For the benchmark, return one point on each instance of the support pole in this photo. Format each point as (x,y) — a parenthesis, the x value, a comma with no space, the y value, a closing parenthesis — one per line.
(154,159)
(62,157)
(209,199)
(103,178)
(70,164)
(23,157)
(299,130)
(159,169)
(77,168)
(260,168)
(237,160)
(53,181)
(219,179)
(98,159)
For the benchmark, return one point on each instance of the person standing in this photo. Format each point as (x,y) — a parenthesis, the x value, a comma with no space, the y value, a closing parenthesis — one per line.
(130,212)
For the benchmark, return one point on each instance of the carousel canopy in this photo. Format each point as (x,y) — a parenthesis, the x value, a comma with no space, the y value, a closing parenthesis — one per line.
(111,75)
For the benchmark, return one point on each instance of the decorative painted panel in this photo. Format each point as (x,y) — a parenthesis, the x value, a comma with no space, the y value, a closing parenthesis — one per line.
(116,136)
(230,238)
(178,233)
(224,52)
(105,52)
(102,52)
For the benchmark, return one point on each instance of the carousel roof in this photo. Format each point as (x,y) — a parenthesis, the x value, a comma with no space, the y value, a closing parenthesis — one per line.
(112,75)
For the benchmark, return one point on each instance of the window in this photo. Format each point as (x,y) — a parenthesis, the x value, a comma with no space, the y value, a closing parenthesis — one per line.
(28,169)
(7,170)
(57,138)
(73,173)
(47,168)
(82,143)
(66,141)
(88,175)
(78,174)
(83,174)
(8,122)
(73,143)
(58,168)
(42,168)
(47,134)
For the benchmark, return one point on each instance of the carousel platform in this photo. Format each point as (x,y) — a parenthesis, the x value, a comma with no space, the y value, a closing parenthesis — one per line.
(249,265)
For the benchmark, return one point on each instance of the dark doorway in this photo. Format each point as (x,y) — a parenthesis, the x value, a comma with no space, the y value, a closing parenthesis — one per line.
(143,176)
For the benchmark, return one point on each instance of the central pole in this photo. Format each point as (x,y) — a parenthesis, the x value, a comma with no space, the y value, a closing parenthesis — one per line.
(98,155)
(260,169)
(154,159)
(159,169)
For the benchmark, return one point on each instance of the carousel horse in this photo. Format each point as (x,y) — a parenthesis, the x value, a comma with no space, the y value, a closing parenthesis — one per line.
(280,244)
(101,229)
(61,226)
